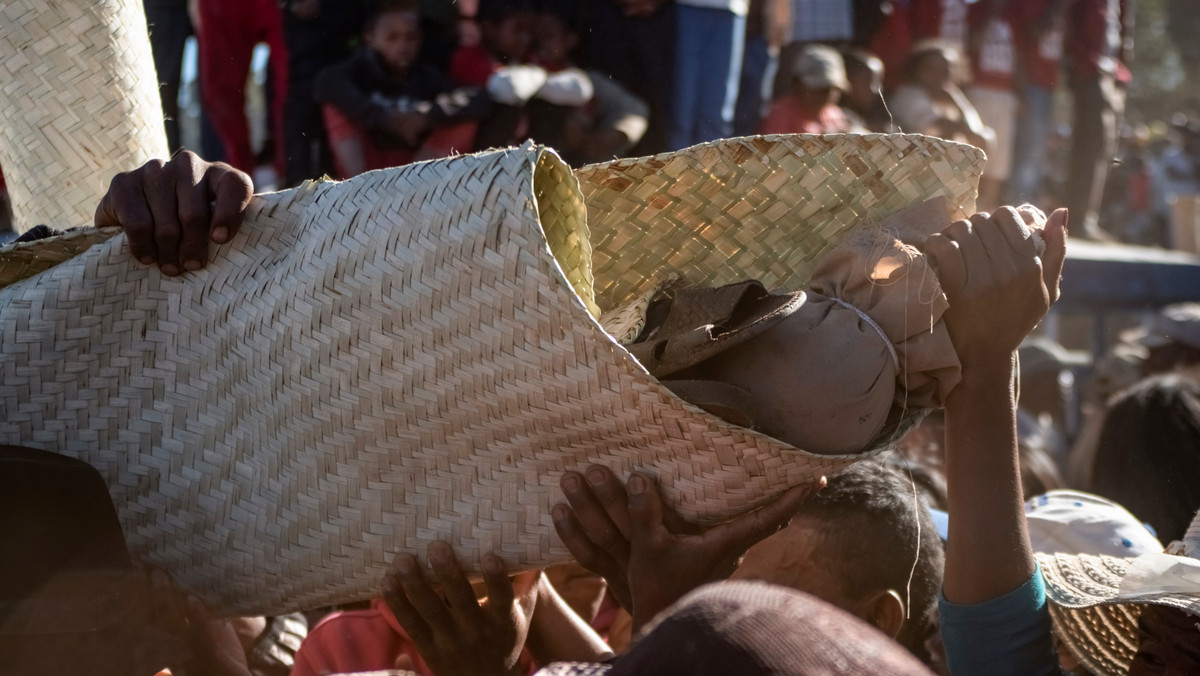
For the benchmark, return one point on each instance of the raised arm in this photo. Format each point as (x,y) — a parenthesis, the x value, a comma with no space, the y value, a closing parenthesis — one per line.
(999,288)
(994,619)
(558,634)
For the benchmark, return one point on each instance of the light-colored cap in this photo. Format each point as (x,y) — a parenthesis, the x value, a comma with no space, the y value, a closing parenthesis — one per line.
(1073,522)
(819,67)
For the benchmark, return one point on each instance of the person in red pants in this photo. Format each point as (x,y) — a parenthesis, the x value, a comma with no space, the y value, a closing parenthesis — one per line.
(227,31)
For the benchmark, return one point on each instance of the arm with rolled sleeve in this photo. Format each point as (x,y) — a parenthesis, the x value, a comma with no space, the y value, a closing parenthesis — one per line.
(1004,636)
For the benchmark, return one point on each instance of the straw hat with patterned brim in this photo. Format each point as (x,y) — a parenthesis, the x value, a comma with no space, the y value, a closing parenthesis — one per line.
(414,354)
(1096,601)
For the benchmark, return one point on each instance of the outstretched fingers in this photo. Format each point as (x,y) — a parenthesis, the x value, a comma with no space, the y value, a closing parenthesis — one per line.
(411,599)
(601,510)
(590,555)
(464,607)
(499,587)
(645,508)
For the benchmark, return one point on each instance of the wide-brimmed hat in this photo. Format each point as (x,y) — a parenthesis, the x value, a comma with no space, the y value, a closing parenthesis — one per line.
(1096,600)
(420,353)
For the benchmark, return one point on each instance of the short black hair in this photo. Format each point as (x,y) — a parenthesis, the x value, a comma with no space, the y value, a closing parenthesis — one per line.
(875,527)
(378,8)
(566,11)
(495,11)
(930,481)
(1148,453)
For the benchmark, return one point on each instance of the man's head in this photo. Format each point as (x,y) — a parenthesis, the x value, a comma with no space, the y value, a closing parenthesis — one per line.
(866,544)
(754,629)
(393,32)
(864,75)
(1171,339)
(69,595)
(557,36)
(931,65)
(818,76)
(507,27)
(1148,454)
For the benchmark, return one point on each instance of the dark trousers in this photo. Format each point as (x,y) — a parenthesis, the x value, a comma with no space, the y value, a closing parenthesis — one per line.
(169,29)
(1098,104)
(227,37)
(306,144)
(639,52)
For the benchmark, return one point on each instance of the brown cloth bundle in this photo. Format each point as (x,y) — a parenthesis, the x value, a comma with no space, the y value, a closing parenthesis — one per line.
(877,280)
(829,369)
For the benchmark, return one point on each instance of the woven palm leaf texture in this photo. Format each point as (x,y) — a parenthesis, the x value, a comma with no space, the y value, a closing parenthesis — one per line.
(415,354)
(78,103)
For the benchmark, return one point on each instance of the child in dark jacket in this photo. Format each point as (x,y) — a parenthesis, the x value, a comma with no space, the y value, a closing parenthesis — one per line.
(383,108)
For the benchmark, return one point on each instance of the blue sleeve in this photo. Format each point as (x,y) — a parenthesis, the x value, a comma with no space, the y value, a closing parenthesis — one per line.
(1004,636)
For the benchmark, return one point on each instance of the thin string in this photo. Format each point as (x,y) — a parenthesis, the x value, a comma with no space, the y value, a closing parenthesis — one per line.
(871,322)
(917,558)
(912,572)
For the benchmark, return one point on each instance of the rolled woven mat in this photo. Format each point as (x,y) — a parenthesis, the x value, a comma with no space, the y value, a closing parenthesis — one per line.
(78,103)
(412,355)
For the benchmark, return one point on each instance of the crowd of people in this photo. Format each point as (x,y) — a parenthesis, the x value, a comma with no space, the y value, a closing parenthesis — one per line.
(1047,521)
(364,84)
(361,85)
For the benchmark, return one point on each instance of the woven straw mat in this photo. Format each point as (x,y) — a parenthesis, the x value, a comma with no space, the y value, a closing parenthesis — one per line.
(412,355)
(78,103)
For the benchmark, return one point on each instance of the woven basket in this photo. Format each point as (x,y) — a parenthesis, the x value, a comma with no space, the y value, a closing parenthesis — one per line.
(78,103)
(413,354)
